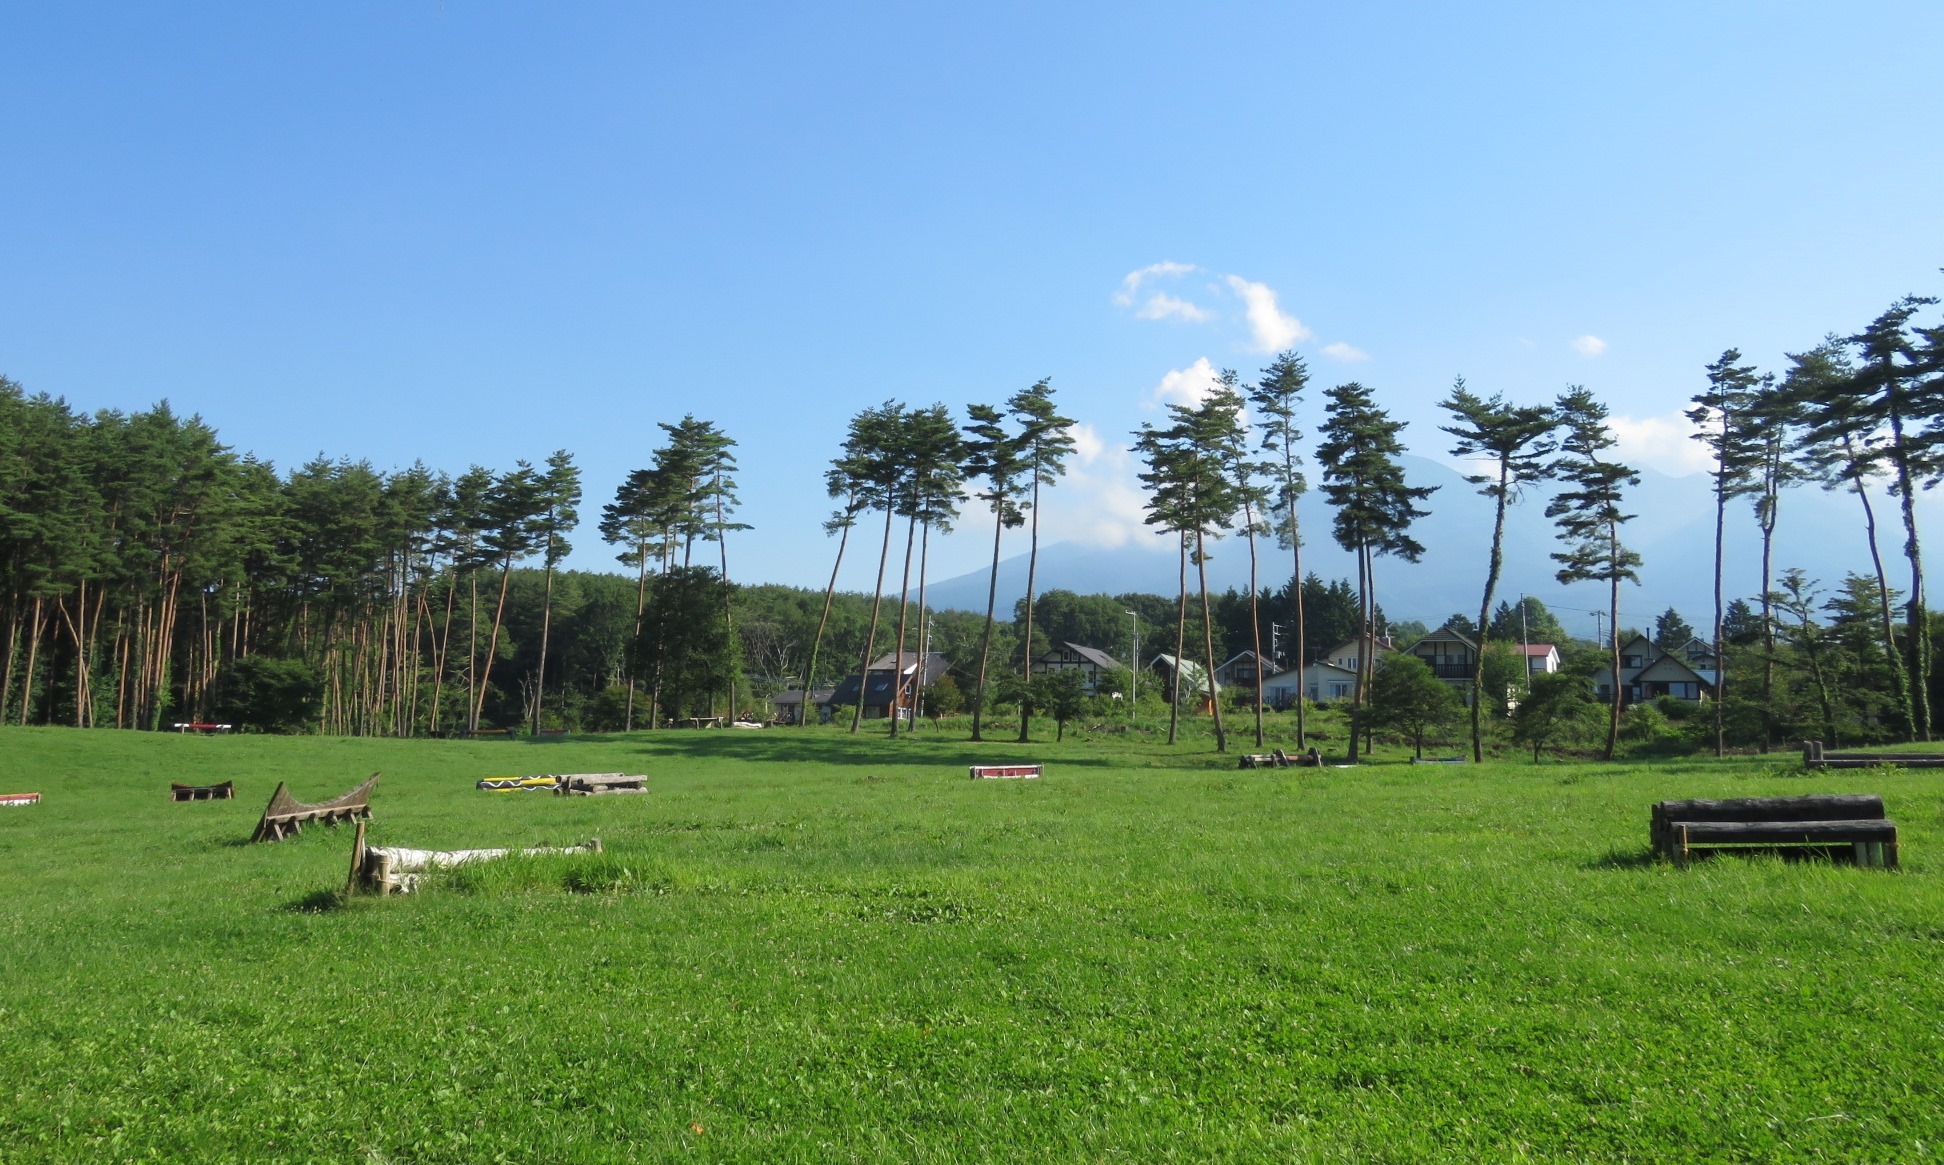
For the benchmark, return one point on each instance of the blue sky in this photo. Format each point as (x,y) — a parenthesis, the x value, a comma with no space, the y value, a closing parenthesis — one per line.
(469,232)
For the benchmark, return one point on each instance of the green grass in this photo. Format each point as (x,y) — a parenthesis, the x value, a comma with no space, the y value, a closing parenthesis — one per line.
(814,947)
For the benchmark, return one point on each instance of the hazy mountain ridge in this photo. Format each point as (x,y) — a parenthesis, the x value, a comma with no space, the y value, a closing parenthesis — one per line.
(1673,531)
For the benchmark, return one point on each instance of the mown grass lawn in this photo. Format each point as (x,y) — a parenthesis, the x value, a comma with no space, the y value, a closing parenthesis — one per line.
(806,946)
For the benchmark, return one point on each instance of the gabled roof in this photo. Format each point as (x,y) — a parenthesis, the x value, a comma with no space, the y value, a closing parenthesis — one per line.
(1092,655)
(1539,649)
(1250,655)
(1379,644)
(1669,669)
(1447,634)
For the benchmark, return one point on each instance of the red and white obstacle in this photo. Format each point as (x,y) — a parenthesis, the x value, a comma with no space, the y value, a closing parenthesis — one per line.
(10,799)
(1025,772)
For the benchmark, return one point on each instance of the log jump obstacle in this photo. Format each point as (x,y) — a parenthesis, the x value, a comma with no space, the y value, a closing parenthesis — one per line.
(1813,757)
(285,815)
(598,784)
(181,792)
(18,800)
(1017,772)
(1833,825)
(394,869)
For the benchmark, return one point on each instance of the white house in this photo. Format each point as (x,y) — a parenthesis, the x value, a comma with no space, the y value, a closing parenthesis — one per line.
(1320,683)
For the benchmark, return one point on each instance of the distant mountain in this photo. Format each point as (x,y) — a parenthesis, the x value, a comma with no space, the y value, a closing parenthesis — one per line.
(1673,532)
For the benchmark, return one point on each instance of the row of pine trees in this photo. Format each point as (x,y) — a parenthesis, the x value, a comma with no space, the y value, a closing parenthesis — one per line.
(145,565)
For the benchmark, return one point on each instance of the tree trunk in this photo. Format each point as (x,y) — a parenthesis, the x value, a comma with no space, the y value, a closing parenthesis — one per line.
(1917,623)
(1181,644)
(546,632)
(1721,657)
(1255,619)
(823,620)
(985,637)
(1363,631)
(1208,644)
(728,604)
(1613,614)
(1302,631)
(1026,645)
(904,619)
(1494,566)
(492,642)
(641,604)
(1890,653)
(870,636)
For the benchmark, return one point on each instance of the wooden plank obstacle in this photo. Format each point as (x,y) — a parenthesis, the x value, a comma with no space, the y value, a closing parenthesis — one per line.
(1280,760)
(518,784)
(1017,772)
(18,800)
(181,792)
(1831,825)
(285,815)
(1813,757)
(598,784)
(393,869)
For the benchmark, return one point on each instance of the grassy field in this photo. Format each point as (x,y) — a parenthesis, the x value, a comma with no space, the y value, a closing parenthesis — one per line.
(813,947)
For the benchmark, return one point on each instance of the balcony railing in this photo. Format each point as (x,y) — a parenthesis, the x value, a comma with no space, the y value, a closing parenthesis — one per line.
(1450,671)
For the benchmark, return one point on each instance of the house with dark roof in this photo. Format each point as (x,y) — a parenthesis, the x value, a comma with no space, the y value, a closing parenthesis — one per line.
(893,681)
(1245,670)
(1090,662)
(787,707)
(1648,672)
(1451,655)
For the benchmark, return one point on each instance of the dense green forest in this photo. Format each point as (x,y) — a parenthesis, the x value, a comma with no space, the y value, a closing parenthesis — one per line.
(150,575)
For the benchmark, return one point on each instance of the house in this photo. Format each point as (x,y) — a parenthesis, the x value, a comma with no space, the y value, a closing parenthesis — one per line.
(1194,677)
(1648,672)
(787,707)
(1320,683)
(1245,670)
(894,680)
(1347,654)
(1451,655)
(1541,658)
(1089,661)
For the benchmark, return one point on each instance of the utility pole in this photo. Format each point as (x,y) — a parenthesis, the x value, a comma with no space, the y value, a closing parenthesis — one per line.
(1134,668)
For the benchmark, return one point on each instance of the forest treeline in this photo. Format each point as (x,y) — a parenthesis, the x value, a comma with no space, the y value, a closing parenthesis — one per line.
(150,575)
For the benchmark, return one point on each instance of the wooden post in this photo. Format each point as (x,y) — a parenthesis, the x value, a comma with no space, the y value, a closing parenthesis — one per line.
(357,860)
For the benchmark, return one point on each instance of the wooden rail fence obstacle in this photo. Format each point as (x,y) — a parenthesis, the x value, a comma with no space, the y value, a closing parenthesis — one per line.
(1280,760)
(1814,757)
(1018,772)
(517,784)
(393,869)
(181,792)
(18,800)
(598,784)
(286,815)
(1832,825)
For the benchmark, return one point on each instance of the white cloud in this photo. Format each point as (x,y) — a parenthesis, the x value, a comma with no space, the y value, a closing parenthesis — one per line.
(1665,443)
(1100,503)
(1271,330)
(1160,306)
(1187,386)
(1589,345)
(1344,352)
(1133,280)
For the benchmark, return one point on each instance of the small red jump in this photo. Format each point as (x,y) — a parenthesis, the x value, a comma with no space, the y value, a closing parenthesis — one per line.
(19,799)
(203,727)
(1018,771)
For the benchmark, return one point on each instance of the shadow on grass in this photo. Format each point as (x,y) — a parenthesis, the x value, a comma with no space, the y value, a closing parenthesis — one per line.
(316,902)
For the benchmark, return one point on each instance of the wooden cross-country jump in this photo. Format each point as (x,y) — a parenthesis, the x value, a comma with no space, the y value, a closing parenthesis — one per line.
(286,815)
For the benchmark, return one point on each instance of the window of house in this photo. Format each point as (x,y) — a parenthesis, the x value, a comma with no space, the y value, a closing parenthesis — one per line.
(1632,661)
(1339,690)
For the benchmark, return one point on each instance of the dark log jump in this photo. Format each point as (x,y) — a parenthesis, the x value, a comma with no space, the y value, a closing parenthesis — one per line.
(1832,825)
(1813,757)
(181,792)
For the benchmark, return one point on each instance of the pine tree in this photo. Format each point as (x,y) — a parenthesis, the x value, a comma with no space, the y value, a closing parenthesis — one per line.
(1276,397)
(1374,506)
(1045,442)
(556,512)
(1517,440)
(1589,517)
(993,457)
(1726,421)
